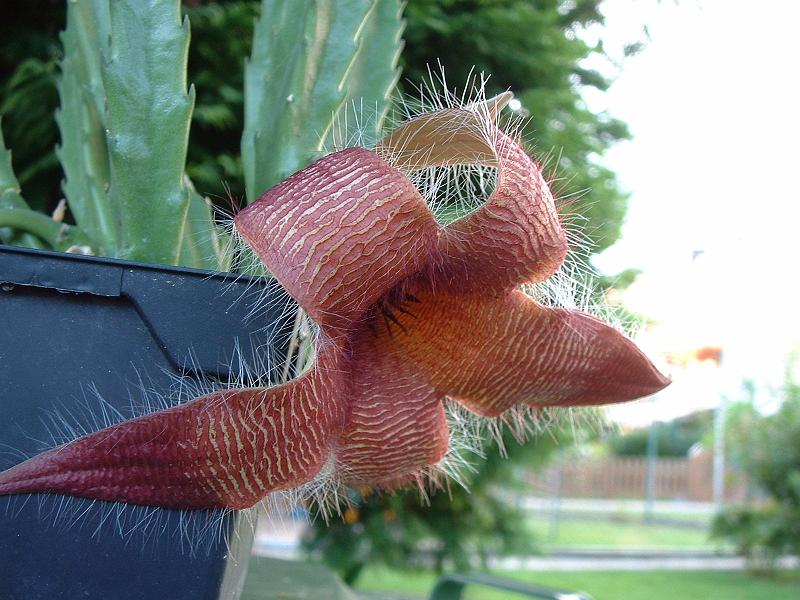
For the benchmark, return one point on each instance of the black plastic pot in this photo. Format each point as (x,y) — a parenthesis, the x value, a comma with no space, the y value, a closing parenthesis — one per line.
(69,324)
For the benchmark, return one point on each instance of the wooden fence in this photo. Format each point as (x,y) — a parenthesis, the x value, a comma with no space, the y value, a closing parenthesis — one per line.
(620,477)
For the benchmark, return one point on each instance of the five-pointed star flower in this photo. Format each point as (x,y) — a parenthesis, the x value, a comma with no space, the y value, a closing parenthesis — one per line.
(410,313)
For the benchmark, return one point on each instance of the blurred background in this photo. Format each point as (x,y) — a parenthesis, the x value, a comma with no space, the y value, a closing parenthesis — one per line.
(670,131)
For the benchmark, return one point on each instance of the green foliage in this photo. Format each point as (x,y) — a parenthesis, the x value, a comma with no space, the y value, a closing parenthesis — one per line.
(9,187)
(773,451)
(23,226)
(29,55)
(222,36)
(673,438)
(29,99)
(768,450)
(761,535)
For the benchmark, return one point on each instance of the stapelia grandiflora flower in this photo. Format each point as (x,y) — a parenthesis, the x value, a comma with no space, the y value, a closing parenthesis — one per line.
(410,313)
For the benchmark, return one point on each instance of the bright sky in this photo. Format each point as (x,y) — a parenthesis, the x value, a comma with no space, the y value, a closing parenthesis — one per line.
(713,104)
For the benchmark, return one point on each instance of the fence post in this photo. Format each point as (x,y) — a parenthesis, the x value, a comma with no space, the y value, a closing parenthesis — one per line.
(555,507)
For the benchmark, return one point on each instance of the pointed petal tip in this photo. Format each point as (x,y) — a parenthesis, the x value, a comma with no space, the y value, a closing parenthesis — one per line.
(218,451)
(17,479)
(633,377)
(638,375)
(648,379)
(613,368)
(38,474)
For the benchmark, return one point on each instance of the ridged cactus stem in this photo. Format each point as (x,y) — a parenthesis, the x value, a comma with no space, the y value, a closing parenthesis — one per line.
(81,120)
(124,122)
(310,57)
(147,120)
(11,199)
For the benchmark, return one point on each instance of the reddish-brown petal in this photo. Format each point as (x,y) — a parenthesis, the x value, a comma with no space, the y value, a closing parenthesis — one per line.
(396,421)
(340,233)
(493,352)
(227,449)
(516,236)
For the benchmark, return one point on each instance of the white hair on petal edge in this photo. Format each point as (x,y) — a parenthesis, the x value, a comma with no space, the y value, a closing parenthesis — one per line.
(270,297)
(196,532)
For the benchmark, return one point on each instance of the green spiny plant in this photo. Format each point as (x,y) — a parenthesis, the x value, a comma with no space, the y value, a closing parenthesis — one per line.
(296,92)
(125,113)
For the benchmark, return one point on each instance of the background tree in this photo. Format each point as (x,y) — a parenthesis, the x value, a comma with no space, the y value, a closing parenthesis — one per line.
(30,51)
(768,450)
(673,438)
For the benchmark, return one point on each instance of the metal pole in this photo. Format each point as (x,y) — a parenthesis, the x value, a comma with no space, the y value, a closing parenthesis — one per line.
(555,499)
(718,473)
(650,472)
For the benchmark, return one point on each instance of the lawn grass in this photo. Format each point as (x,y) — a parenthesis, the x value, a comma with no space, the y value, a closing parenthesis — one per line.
(610,534)
(610,585)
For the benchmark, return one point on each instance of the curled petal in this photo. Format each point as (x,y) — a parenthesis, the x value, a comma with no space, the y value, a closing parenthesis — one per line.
(451,136)
(340,233)
(516,237)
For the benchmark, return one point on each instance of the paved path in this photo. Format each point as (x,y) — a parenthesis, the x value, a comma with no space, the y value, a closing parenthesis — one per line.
(629,562)
(279,538)
(591,505)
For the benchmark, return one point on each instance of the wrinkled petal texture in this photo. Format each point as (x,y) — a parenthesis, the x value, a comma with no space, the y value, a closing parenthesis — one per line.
(340,233)
(493,352)
(410,313)
(516,237)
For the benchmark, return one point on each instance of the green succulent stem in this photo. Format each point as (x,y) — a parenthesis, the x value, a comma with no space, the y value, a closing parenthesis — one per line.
(52,232)
(124,121)
(83,152)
